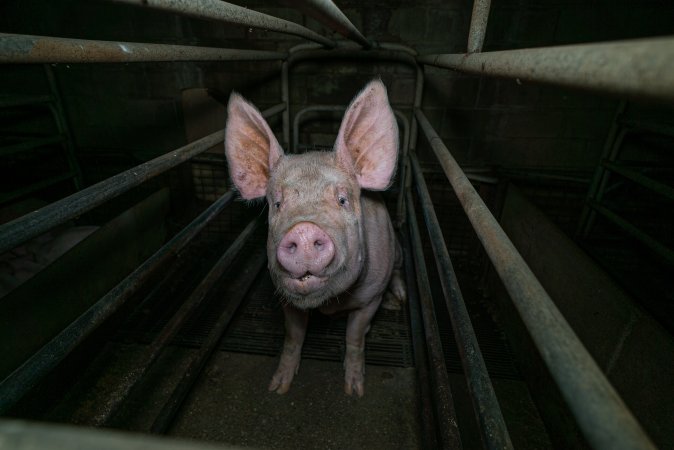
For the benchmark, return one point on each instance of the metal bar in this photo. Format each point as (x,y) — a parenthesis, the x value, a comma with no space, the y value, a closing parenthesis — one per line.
(13,101)
(31,144)
(229,13)
(351,52)
(24,435)
(130,381)
(339,109)
(657,128)
(493,429)
(641,179)
(640,68)
(601,414)
(600,177)
(478,25)
(241,285)
(19,48)
(662,251)
(59,115)
(19,230)
(444,403)
(19,382)
(36,187)
(429,430)
(285,98)
(327,13)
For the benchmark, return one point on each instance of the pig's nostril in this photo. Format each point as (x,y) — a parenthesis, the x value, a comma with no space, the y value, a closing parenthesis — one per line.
(319,245)
(292,248)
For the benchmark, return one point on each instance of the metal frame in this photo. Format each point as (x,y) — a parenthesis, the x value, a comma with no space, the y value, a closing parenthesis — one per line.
(637,68)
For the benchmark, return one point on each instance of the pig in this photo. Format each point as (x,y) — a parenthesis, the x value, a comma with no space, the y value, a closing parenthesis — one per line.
(331,244)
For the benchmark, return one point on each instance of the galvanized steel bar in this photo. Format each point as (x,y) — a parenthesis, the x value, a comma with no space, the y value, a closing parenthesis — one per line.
(19,382)
(327,13)
(171,329)
(658,248)
(640,68)
(20,49)
(20,230)
(229,13)
(444,404)
(601,414)
(493,429)
(641,179)
(239,287)
(478,25)
(419,345)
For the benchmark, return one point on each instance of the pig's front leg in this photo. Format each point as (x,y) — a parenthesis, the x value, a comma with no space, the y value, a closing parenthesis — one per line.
(357,326)
(296,329)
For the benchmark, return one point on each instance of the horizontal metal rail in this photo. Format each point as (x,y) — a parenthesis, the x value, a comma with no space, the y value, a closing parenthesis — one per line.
(19,382)
(31,144)
(21,49)
(16,101)
(240,286)
(171,329)
(640,68)
(327,13)
(444,402)
(20,230)
(38,186)
(641,179)
(299,119)
(492,426)
(229,13)
(23,435)
(601,414)
(653,244)
(478,25)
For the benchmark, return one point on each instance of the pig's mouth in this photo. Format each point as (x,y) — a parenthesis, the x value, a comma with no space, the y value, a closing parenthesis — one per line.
(306,283)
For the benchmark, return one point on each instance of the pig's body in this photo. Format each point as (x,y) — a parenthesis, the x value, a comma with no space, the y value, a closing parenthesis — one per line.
(331,246)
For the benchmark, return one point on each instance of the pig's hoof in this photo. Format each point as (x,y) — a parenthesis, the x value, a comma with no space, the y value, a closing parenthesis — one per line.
(355,383)
(281,382)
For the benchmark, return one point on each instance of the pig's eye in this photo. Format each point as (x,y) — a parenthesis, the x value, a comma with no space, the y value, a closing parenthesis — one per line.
(342,200)
(277,205)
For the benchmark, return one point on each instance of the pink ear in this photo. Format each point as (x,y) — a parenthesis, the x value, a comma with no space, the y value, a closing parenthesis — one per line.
(368,138)
(251,148)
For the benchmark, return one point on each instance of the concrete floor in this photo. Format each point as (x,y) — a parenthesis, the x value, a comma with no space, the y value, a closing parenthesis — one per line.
(230,403)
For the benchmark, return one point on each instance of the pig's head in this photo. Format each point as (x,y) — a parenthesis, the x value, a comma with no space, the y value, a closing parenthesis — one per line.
(315,245)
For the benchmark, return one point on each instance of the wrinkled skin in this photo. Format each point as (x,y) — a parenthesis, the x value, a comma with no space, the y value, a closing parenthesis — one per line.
(331,244)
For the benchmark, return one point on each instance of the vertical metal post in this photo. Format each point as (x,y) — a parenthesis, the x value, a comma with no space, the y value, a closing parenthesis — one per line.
(478,25)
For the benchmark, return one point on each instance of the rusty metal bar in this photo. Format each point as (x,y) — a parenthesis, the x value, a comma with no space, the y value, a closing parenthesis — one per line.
(640,68)
(419,344)
(20,49)
(240,286)
(478,25)
(493,429)
(444,403)
(115,400)
(24,435)
(327,13)
(641,179)
(19,382)
(20,230)
(299,119)
(603,417)
(229,13)
(653,244)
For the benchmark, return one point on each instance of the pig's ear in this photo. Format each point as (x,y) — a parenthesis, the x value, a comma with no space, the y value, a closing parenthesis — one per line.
(367,142)
(251,148)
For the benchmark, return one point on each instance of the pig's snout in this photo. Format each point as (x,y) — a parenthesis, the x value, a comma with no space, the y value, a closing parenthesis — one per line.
(305,250)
